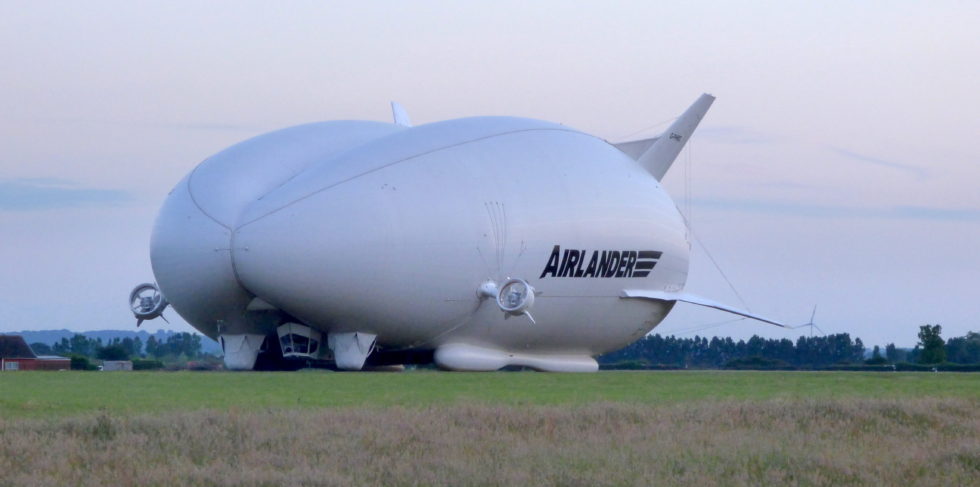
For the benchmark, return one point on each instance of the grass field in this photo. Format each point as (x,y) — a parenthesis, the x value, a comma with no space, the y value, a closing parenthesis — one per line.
(47,394)
(427,428)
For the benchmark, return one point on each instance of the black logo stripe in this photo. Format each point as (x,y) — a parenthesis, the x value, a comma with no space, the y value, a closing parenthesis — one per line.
(644,265)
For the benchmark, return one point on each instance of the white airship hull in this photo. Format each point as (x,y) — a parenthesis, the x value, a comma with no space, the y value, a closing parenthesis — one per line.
(389,239)
(401,251)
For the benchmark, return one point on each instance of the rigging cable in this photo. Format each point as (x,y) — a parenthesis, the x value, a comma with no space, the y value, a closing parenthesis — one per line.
(718,267)
(694,235)
(705,326)
(644,129)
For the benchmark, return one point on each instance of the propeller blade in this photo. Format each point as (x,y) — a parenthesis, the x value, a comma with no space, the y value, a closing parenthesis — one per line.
(530,318)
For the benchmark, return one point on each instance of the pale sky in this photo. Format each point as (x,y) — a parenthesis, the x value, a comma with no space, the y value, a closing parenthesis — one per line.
(838,167)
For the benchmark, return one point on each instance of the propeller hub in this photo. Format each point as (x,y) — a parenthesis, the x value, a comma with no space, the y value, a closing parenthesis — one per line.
(515,298)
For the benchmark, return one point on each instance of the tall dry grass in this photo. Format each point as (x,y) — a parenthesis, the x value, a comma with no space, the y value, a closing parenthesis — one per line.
(815,442)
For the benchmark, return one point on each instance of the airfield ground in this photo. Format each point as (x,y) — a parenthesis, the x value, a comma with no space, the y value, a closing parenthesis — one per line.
(428,428)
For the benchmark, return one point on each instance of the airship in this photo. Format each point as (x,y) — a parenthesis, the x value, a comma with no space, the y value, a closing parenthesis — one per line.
(475,244)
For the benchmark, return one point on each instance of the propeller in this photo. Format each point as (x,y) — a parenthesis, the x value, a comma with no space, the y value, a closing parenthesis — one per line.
(513,296)
(147,303)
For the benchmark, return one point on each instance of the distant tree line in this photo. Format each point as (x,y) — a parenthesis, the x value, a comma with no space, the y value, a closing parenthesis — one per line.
(177,348)
(717,352)
(805,353)
(650,351)
(932,349)
(178,344)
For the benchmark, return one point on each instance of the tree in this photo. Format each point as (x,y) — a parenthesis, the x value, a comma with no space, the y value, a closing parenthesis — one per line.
(41,349)
(933,346)
(152,347)
(79,362)
(895,354)
(81,345)
(186,344)
(132,346)
(876,358)
(62,347)
(915,353)
(112,352)
(962,350)
(857,351)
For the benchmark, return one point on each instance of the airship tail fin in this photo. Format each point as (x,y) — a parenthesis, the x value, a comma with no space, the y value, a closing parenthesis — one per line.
(636,148)
(400,115)
(662,152)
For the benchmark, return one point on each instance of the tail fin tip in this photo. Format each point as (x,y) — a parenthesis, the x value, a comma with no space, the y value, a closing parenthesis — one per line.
(400,115)
(661,155)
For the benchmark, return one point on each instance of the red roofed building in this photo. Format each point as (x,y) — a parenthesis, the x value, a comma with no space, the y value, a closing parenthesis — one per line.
(16,354)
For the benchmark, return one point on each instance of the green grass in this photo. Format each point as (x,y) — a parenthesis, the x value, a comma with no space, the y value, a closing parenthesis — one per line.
(57,394)
(428,428)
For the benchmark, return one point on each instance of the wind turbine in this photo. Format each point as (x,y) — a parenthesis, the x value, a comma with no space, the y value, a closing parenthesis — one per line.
(811,324)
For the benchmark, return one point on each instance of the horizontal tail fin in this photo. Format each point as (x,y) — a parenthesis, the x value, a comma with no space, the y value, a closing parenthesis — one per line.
(636,148)
(661,154)
(698,300)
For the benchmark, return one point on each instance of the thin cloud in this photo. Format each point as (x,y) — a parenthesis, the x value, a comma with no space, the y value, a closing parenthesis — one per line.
(916,170)
(190,126)
(732,134)
(926,213)
(822,211)
(215,127)
(32,194)
(794,185)
(44,181)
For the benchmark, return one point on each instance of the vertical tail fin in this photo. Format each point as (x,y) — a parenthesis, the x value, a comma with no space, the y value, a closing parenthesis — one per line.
(658,158)
(400,115)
